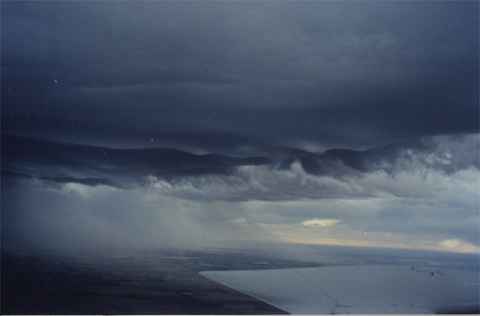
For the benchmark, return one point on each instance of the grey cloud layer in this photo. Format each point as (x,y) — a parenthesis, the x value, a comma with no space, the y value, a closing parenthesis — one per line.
(281,174)
(414,193)
(237,91)
(335,73)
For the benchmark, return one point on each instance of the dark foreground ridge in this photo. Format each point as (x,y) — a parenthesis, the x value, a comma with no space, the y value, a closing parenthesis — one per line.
(165,282)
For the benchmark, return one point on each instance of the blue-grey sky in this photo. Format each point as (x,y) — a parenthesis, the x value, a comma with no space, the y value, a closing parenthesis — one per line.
(349,73)
(248,96)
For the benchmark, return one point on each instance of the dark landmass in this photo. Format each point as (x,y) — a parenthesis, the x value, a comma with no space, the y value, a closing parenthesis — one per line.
(162,282)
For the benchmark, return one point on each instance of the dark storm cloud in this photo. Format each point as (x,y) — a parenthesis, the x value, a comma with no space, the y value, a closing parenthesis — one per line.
(91,165)
(356,74)
(282,174)
(431,185)
(238,91)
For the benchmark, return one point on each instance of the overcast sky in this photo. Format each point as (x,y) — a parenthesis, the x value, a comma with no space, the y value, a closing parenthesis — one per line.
(231,77)
(349,73)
